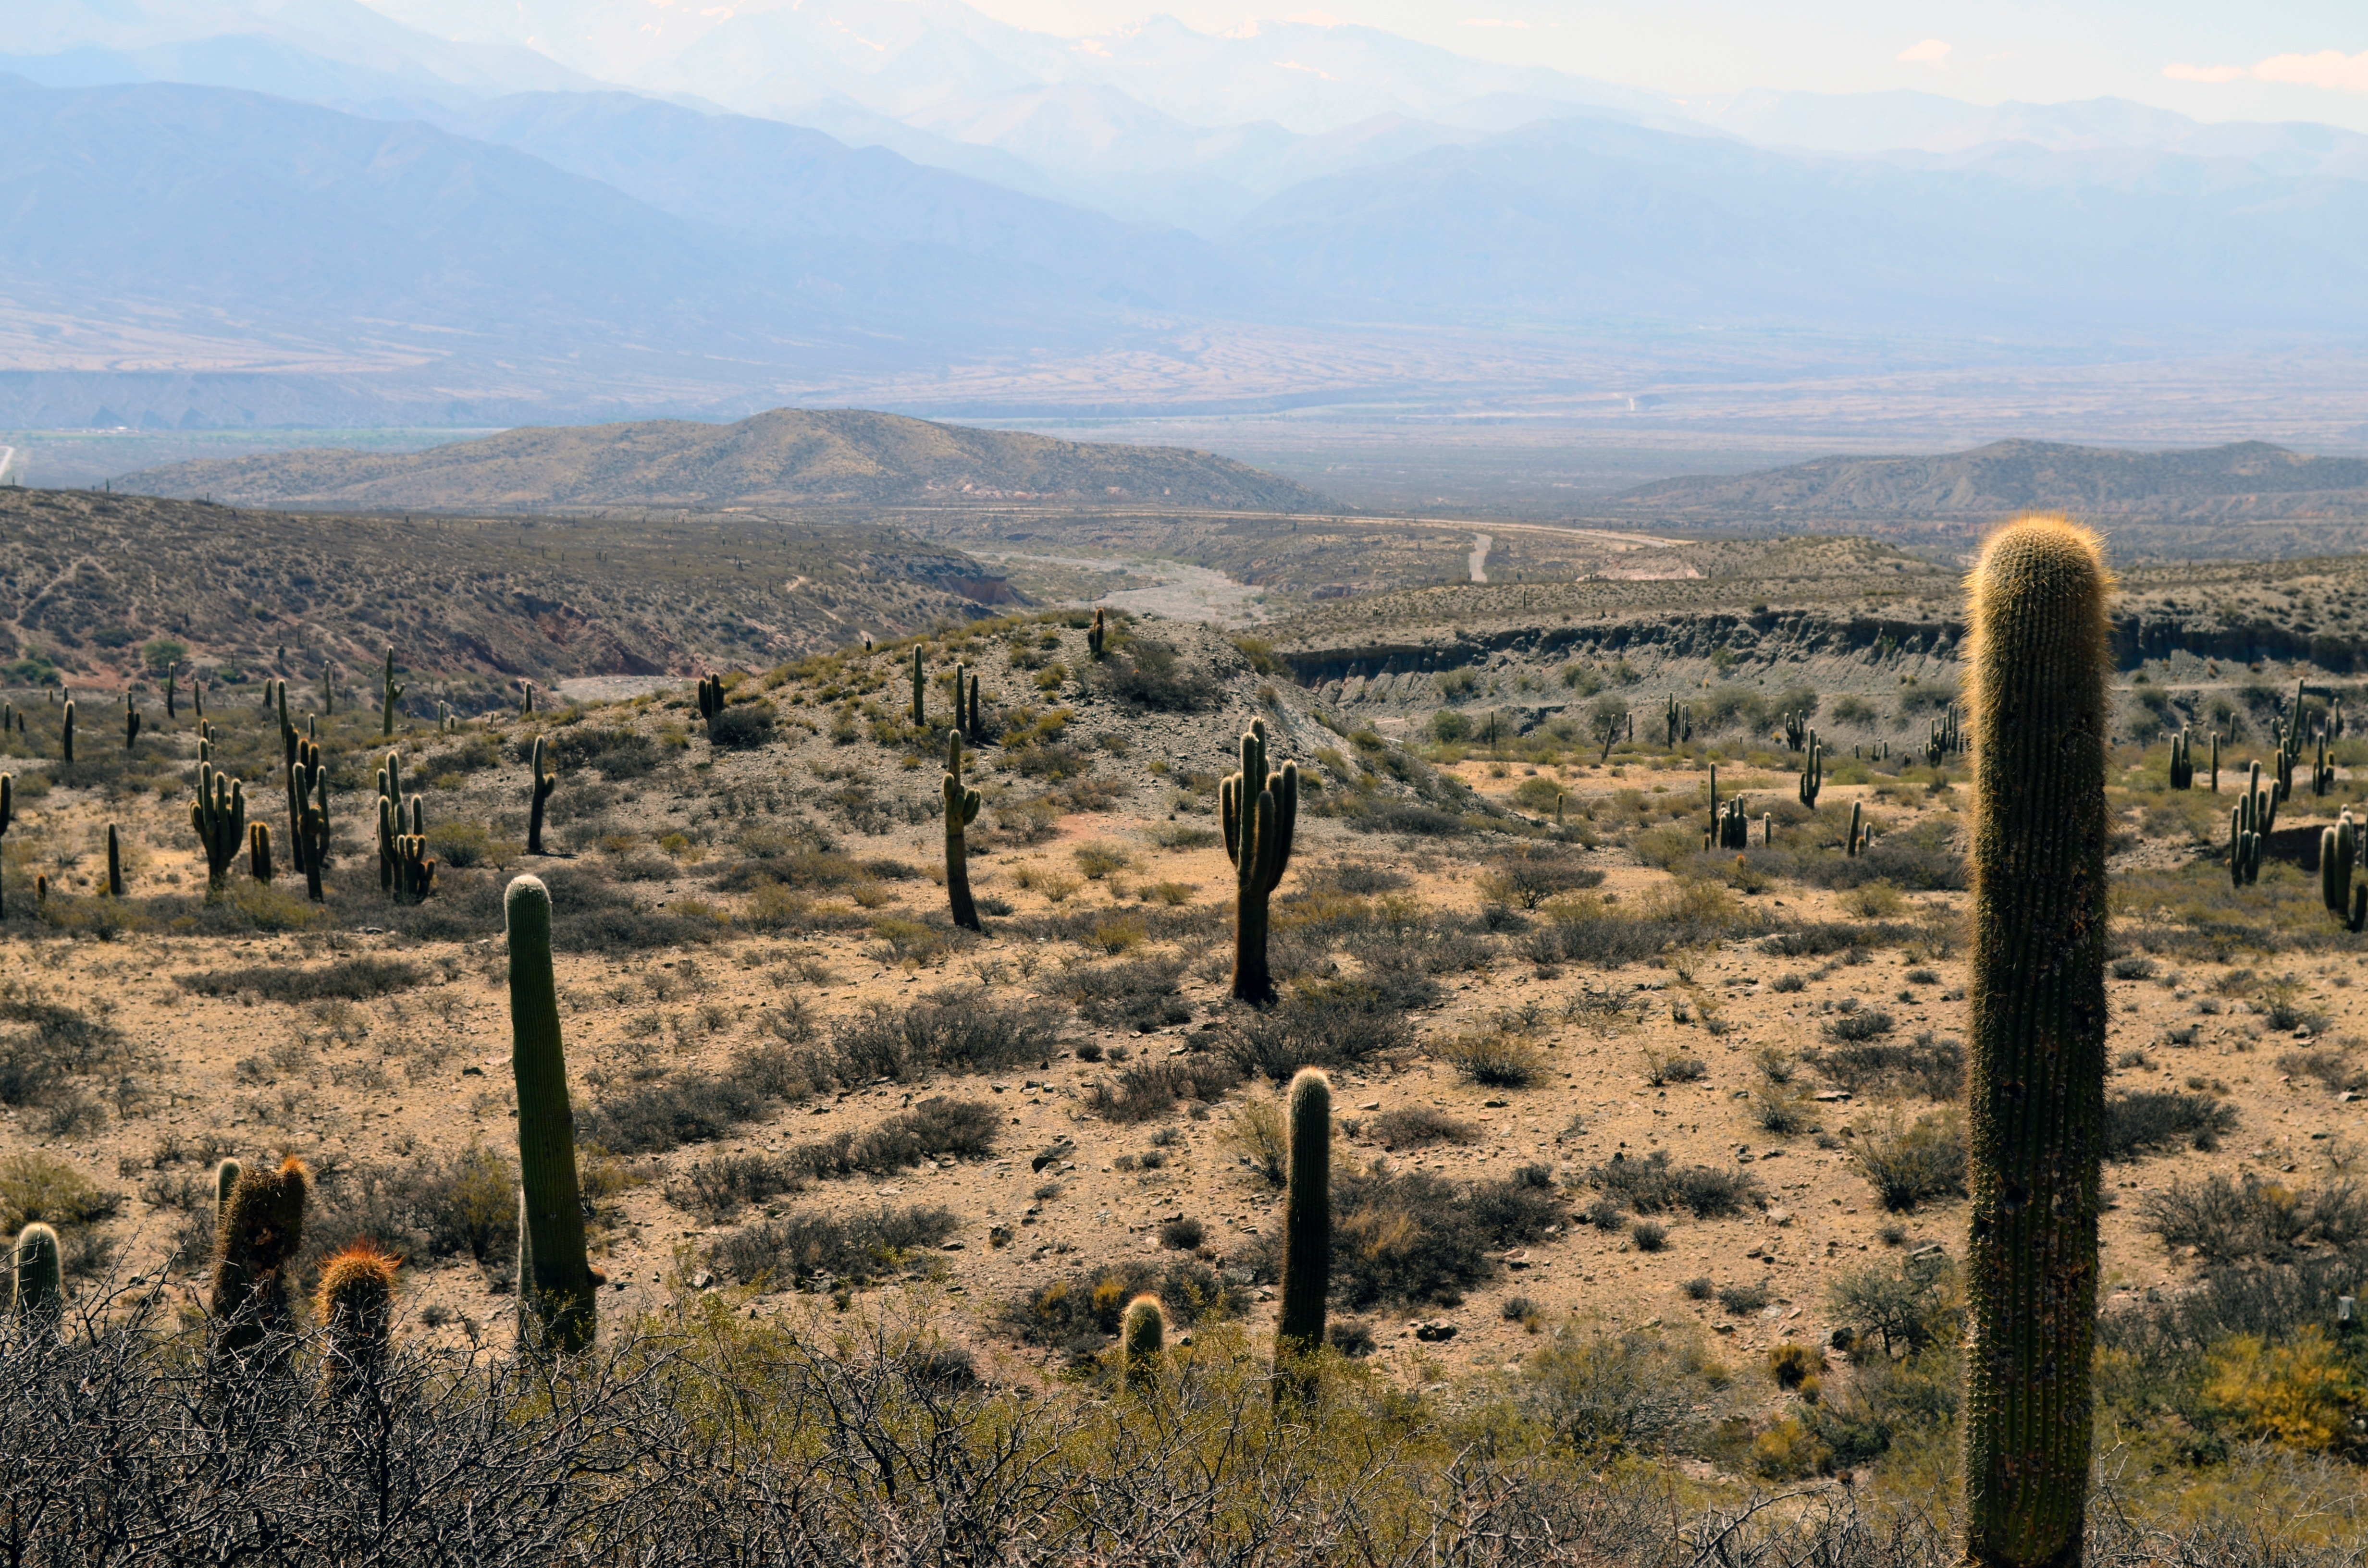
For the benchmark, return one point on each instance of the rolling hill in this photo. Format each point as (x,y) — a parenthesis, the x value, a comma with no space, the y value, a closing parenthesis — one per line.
(2244,478)
(788,457)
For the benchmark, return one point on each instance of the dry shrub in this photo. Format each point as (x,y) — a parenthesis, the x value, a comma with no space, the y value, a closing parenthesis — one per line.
(1259,1134)
(1495,1059)
(1654,1186)
(1907,1166)
(1411,1127)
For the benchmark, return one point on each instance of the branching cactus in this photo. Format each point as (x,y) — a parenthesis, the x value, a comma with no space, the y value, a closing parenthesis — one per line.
(1796,730)
(1260,811)
(218,817)
(2182,760)
(40,1272)
(414,870)
(556,1305)
(710,699)
(355,1307)
(545,780)
(1857,840)
(2037,1006)
(258,851)
(262,1227)
(2244,845)
(962,810)
(1143,1338)
(1306,1230)
(920,713)
(1813,772)
(389,694)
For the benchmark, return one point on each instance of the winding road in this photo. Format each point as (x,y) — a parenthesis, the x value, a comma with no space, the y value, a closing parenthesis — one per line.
(1480,543)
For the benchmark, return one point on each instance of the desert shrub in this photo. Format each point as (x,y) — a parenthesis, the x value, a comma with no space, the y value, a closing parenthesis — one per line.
(2231,1220)
(1664,1067)
(2306,1394)
(1414,1237)
(1259,1134)
(949,1030)
(1592,928)
(718,1187)
(937,1126)
(1493,1058)
(1412,818)
(1781,1110)
(1793,1365)
(1742,1299)
(1527,876)
(1650,1236)
(1906,1307)
(1411,1127)
(616,752)
(2153,1118)
(1620,1393)
(1149,1089)
(652,1118)
(41,1187)
(805,1248)
(1150,676)
(780,1070)
(2135,966)
(1816,939)
(1934,1068)
(462,1205)
(742,726)
(1141,995)
(1331,1024)
(354,980)
(1183,1234)
(2332,1069)
(1082,1311)
(1907,1165)
(1865,1024)
(1654,1186)
(1924,857)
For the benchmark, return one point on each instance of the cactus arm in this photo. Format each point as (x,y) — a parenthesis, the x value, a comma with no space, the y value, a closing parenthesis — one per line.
(559,1287)
(1306,1226)
(1229,810)
(2038,1024)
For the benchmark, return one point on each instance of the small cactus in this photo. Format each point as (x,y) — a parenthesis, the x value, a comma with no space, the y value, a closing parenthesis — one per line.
(41,1290)
(114,863)
(355,1307)
(1143,1337)
(1260,813)
(172,691)
(545,781)
(962,810)
(262,1227)
(328,688)
(1856,841)
(389,694)
(1306,1226)
(1098,636)
(258,851)
(556,1299)
(218,816)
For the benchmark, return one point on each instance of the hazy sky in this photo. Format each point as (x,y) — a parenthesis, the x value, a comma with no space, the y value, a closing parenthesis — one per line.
(2213,59)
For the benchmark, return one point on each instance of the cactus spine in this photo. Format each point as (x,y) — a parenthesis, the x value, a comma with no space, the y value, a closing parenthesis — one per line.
(40,1275)
(114,863)
(389,694)
(1306,1225)
(920,715)
(962,810)
(2036,1086)
(1143,1336)
(258,851)
(262,1225)
(355,1305)
(556,1305)
(1260,811)
(218,817)
(545,781)
(66,734)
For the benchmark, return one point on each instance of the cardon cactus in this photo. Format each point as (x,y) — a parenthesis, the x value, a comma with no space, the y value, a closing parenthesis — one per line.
(973,724)
(1260,812)
(218,816)
(2037,1017)
(2337,847)
(355,1307)
(40,1277)
(66,732)
(1857,840)
(328,688)
(390,818)
(920,714)
(258,851)
(2182,760)
(545,778)
(7,814)
(389,694)
(1306,1225)
(2244,846)
(710,697)
(262,1227)
(1813,772)
(314,835)
(1142,1337)
(962,810)
(114,863)
(1097,637)
(414,868)
(1796,730)
(131,723)
(526,699)
(2215,762)
(226,1177)
(556,1305)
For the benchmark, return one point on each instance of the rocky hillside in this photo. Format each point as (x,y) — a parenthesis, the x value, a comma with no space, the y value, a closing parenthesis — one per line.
(789,457)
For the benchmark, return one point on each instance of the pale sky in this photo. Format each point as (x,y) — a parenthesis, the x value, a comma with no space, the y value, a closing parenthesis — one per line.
(2211,59)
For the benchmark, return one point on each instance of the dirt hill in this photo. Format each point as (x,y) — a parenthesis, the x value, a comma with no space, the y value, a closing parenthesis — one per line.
(788,457)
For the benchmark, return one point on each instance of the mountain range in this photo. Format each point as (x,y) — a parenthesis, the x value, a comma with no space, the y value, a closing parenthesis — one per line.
(256,211)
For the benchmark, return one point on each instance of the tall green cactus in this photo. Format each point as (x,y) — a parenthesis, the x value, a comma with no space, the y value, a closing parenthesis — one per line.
(1857,840)
(973,724)
(1097,637)
(261,1231)
(130,721)
(218,816)
(710,699)
(66,734)
(114,863)
(1306,1227)
(544,781)
(1260,812)
(389,694)
(2215,762)
(40,1286)
(355,1307)
(920,714)
(962,810)
(390,817)
(556,1302)
(258,852)
(2337,847)
(8,815)
(1142,1339)
(312,832)
(328,688)
(2037,1016)
(2182,759)
(1813,772)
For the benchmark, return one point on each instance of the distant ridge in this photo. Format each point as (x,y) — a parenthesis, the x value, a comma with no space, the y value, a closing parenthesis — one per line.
(788,457)
(2246,479)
